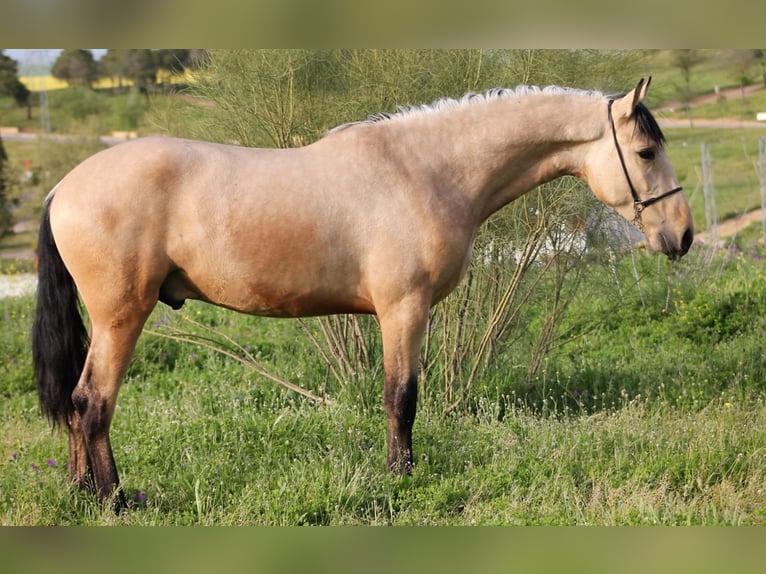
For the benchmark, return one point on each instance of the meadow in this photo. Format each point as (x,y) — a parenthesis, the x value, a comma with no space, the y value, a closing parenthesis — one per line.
(650,411)
(734,157)
(642,403)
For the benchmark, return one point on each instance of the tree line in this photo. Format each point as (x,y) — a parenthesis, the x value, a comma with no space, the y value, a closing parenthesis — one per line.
(141,67)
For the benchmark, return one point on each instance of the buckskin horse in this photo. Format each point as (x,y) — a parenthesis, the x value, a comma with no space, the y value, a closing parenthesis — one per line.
(378,216)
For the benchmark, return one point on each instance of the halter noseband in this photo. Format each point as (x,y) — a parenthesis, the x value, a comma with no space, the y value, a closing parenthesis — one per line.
(638,203)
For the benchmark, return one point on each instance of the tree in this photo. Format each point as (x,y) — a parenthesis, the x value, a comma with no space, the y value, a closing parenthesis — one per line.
(177,60)
(76,67)
(141,67)
(113,64)
(8,73)
(6,220)
(760,57)
(741,61)
(10,85)
(685,60)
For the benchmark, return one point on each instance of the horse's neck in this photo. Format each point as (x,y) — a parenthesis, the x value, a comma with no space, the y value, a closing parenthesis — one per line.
(503,149)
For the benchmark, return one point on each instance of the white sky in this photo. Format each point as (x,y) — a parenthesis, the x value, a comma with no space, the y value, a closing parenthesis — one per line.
(40,56)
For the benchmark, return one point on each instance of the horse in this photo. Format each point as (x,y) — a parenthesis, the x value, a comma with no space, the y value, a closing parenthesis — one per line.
(375,217)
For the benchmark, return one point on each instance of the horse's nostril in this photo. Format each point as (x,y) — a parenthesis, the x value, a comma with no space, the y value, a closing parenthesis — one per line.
(686,240)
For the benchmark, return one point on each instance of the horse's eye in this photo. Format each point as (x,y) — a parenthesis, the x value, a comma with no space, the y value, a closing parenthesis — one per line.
(647,154)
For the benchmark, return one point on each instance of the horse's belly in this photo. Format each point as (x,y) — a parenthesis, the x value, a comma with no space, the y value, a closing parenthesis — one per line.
(262,299)
(307,306)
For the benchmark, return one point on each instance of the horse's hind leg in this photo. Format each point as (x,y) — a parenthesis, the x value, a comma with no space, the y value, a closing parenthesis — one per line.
(79,463)
(95,396)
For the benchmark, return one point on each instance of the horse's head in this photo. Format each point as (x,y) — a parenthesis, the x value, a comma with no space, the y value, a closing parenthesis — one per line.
(629,170)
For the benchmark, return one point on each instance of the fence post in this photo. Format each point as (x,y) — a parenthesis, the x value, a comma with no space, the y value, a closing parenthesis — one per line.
(762,177)
(708,189)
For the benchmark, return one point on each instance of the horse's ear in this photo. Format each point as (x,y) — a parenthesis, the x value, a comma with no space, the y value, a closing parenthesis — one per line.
(624,106)
(640,92)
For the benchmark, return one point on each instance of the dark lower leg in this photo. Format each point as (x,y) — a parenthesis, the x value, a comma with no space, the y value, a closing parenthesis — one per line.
(79,463)
(105,474)
(95,419)
(401,403)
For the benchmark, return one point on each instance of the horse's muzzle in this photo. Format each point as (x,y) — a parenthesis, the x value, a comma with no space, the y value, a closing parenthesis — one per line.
(675,253)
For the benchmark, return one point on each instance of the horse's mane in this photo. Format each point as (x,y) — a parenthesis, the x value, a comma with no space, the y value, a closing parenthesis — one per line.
(645,122)
(468,99)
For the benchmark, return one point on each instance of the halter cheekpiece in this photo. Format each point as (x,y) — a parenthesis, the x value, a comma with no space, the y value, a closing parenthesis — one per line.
(638,204)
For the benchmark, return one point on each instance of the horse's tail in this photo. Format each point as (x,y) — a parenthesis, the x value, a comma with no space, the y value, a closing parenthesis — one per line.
(59,338)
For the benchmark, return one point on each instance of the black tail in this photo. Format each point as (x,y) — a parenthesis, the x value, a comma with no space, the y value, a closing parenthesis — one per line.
(59,338)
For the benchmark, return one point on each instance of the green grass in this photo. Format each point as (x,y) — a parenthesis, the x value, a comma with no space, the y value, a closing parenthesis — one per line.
(82,111)
(715,68)
(731,107)
(652,413)
(734,155)
(207,456)
(15,266)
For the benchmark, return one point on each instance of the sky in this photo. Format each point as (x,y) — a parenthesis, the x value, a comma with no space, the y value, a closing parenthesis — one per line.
(39,56)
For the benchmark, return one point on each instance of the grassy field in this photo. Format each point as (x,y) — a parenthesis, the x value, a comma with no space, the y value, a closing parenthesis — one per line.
(734,156)
(82,111)
(714,69)
(651,412)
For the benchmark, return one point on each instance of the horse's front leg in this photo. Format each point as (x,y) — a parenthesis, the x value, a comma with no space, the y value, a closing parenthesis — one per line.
(402,329)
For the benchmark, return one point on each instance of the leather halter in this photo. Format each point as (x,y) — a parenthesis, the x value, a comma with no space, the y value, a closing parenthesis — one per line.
(638,204)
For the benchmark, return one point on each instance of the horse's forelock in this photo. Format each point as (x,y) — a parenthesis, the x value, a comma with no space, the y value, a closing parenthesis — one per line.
(647,125)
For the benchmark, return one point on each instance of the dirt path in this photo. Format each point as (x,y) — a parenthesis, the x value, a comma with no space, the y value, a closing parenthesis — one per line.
(728,123)
(728,93)
(730,227)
